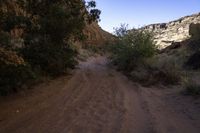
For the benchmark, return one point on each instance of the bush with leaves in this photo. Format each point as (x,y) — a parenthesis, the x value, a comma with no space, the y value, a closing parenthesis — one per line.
(4,39)
(14,72)
(49,59)
(48,41)
(132,47)
(49,27)
(191,86)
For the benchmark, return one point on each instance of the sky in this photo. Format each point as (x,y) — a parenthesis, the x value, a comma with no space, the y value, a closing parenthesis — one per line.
(137,13)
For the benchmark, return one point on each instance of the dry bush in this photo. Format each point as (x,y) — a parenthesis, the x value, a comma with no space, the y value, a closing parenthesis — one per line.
(191,87)
(158,70)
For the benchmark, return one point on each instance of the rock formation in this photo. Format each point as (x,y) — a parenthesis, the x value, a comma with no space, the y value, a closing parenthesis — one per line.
(96,35)
(174,31)
(194,31)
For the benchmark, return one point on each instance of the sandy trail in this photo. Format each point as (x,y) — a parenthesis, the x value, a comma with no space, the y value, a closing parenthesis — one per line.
(97,99)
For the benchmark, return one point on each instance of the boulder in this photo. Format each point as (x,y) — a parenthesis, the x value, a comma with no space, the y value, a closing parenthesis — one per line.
(194,31)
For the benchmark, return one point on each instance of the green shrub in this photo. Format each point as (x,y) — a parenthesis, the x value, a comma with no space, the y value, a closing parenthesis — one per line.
(14,72)
(191,88)
(48,28)
(4,39)
(194,45)
(194,31)
(47,45)
(131,48)
(13,78)
(8,57)
(49,59)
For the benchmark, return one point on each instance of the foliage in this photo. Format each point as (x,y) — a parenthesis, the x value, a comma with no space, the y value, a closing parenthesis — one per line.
(49,27)
(193,61)
(94,14)
(10,58)
(194,45)
(150,73)
(14,72)
(168,75)
(191,88)
(51,52)
(4,39)
(50,59)
(134,53)
(121,31)
(166,69)
(132,48)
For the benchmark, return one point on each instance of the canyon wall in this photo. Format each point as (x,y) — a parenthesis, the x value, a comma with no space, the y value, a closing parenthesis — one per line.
(96,35)
(174,31)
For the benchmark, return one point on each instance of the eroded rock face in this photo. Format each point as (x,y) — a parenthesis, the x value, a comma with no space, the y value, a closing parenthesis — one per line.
(96,35)
(174,31)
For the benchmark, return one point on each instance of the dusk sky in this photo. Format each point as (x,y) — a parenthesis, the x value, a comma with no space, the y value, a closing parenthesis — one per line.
(138,13)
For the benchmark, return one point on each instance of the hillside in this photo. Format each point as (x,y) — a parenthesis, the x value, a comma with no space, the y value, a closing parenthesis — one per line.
(95,35)
(174,31)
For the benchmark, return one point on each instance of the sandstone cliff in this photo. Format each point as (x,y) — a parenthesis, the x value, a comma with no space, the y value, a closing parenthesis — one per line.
(174,31)
(96,35)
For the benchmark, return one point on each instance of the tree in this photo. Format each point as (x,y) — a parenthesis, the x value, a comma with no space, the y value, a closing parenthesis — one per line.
(49,27)
(54,23)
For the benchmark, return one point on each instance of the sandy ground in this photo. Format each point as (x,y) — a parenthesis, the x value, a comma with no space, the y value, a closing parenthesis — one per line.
(97,99)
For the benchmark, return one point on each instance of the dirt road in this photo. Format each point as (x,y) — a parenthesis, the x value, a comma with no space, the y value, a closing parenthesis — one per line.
(97,99)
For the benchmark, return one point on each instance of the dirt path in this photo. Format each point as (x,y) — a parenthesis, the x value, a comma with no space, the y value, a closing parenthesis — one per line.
(97,99)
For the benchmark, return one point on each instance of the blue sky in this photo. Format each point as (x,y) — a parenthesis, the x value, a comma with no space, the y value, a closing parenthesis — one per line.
(138,13)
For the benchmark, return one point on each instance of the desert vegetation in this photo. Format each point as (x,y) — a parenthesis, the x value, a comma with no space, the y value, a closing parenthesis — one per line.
(132,48)
(191,87)
(37,37)
(134,52)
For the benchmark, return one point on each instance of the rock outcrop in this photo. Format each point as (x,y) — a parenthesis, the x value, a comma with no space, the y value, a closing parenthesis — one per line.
(194,31)
(95,35)
(174,31)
